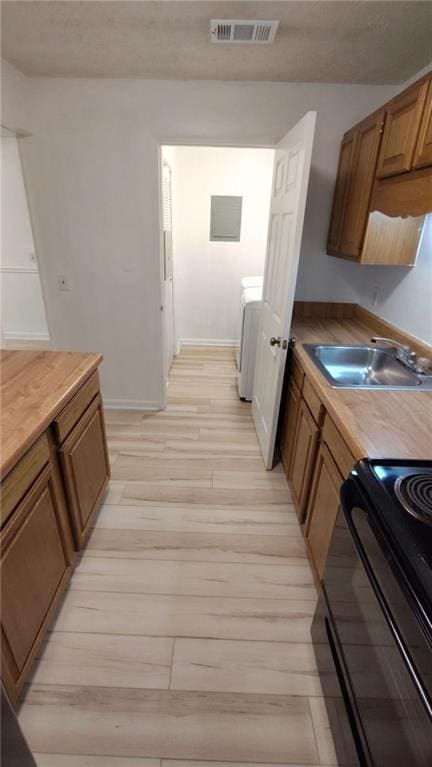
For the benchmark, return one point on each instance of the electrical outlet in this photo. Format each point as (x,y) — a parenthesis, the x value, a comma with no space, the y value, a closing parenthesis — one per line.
(375,295)
(63,282)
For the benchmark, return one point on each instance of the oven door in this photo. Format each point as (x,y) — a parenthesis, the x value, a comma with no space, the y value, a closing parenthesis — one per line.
(386,657)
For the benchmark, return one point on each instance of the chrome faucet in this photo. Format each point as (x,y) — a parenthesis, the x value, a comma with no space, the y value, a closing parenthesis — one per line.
(405,354)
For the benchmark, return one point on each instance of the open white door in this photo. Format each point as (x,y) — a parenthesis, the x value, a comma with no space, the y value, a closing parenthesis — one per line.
(287,207)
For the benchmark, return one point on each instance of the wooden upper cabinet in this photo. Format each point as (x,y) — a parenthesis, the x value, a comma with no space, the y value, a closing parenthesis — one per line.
(368,135)
(423,150)
(344,171)
(382,190)
(401,130)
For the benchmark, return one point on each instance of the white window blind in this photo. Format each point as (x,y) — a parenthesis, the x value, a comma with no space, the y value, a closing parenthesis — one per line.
(166,198)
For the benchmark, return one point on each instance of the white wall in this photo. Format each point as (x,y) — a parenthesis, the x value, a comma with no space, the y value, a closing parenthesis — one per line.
(207,274)
(92,166)
(22,308)
(404,295)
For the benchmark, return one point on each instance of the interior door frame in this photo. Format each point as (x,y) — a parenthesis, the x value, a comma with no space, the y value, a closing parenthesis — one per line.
(162,230)
(175,141)
(20,135)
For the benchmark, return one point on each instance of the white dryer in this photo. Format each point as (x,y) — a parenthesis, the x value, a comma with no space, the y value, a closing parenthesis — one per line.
(251,308)
(245,283)
(251,282)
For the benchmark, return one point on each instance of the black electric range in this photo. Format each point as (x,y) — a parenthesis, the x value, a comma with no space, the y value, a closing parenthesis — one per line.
(374,617)
(401,499)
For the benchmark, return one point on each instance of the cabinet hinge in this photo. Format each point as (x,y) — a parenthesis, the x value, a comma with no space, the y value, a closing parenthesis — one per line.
(381,128)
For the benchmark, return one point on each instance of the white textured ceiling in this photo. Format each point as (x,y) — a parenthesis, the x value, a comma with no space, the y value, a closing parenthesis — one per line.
(332,42)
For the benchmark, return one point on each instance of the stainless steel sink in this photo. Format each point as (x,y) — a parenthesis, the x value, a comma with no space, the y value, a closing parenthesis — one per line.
(365,367)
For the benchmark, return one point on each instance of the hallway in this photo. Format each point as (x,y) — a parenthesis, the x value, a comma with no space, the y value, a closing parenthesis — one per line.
(183,640)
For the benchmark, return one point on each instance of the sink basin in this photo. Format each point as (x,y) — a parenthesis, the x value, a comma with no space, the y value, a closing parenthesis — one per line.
(365,367)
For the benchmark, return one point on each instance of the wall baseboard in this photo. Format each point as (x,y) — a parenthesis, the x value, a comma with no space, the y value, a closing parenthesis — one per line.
(19,270)
(207,342)
(131,404)
(24,335)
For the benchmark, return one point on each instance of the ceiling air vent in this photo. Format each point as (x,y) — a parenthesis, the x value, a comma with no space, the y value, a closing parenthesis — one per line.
(234,31)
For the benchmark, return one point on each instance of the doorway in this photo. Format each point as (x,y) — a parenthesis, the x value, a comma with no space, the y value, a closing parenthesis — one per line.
(210,187)
(23,317)
(201,305)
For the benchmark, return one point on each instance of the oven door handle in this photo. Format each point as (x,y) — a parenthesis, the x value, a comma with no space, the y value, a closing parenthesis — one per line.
(346,504)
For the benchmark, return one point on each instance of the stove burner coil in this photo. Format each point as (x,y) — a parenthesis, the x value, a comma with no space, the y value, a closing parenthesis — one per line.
(414,491)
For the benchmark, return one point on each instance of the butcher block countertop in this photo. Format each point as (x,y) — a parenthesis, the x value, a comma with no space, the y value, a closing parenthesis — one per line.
(374,423)
(35,386)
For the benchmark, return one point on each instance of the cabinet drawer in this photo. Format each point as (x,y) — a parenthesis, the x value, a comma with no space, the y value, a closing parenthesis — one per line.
(338,447)
(70,415)
(313,402)
(35,564)
(18,481)
(85,465)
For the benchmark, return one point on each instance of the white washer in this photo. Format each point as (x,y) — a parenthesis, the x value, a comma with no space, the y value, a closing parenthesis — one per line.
(251,308)
(251,282)
(245,284)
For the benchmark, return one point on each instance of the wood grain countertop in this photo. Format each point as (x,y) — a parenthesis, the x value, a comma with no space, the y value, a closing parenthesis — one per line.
(35,386)
(374,423)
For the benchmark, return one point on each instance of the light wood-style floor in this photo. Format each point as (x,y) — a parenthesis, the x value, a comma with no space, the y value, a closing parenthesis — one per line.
(183,640)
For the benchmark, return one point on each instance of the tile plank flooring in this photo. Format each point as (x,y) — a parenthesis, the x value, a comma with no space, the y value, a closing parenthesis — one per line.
(183,640)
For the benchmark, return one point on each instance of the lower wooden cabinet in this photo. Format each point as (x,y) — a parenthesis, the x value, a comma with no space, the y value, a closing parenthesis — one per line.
(290,423)
(46,516)
(316,459)
(323,508)
(36,558)
(303,457)
(85,465)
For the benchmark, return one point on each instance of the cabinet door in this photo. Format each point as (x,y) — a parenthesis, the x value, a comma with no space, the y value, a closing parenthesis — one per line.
(322,508)
(85,466)
(359,192)
(290,423)
(303,457)
(35,563)
(423,150)
(401,131)
(340,192)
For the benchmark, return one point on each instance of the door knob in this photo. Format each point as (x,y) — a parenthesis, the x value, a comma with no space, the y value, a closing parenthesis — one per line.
(275,341)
